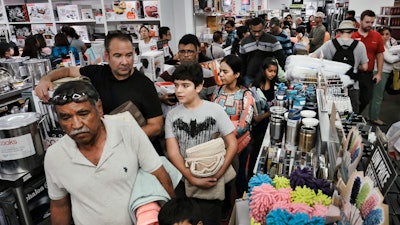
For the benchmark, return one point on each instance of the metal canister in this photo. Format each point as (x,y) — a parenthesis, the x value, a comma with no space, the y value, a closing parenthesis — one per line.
(307,138)
(277,125)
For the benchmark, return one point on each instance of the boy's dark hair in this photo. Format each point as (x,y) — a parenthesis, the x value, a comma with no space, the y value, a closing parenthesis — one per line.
(179,210)
(190,39)
(163,31)
(230,22)
(191,71)
(80,87)
(256,21)
(118,35)
(367,12)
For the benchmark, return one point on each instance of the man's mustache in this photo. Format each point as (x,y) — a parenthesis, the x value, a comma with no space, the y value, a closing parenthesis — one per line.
(78,131)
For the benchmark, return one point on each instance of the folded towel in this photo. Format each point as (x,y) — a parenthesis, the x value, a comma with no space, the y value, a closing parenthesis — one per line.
(205,160)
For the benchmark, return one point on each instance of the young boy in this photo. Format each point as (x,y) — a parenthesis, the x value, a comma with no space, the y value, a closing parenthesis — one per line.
(184,211)
(193,122)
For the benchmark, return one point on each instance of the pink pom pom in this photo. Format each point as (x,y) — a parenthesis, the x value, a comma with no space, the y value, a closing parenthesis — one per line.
(301,208)
(283,194)
(262,199)
(281,205)
(320,210)
(369,205)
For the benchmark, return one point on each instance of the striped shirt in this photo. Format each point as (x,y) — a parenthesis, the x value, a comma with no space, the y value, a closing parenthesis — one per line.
(253,53)
(284,39)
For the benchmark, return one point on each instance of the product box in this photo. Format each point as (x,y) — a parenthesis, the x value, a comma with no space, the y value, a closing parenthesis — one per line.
(126,10)
(68,13)
(20,32)
(47,30)
(150,9)
(39,12)
(82,31)
(87,14)
(17,13)
(153,64)
(132,29)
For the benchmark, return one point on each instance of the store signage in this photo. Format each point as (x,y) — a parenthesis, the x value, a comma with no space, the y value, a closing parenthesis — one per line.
(380,169)
(16,147)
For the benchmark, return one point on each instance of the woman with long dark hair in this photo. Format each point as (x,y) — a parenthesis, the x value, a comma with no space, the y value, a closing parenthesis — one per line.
(238,103)
(61,49)
(31,47)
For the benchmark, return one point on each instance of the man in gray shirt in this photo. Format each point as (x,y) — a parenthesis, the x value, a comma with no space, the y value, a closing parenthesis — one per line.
(317,33)
(328,50)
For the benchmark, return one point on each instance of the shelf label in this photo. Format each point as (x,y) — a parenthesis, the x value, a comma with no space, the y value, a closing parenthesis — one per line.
(16,147)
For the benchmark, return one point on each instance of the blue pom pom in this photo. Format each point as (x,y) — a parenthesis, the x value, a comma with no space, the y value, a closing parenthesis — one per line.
(374,217)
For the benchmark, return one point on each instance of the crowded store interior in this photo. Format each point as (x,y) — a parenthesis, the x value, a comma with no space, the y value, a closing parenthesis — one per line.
(214,112)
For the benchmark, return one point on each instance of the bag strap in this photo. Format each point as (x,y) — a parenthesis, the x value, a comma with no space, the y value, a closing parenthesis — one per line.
(336,44)
(353,45)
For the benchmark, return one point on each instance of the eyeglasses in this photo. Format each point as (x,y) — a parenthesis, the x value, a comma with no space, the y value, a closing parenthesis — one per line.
(64,99)
(188,52)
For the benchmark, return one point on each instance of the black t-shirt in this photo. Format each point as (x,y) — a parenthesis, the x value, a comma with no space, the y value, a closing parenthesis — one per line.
(137,88)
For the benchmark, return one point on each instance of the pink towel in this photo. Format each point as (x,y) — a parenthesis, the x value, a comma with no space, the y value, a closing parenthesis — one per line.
(148,214)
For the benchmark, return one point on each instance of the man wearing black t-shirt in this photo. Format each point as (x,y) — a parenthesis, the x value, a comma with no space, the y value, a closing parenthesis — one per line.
(116,82)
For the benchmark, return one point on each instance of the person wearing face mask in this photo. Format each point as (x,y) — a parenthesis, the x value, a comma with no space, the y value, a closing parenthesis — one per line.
(117,82)
(73,39)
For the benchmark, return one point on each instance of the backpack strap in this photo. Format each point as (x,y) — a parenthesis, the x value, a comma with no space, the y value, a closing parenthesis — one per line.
(336,44)
(353,45)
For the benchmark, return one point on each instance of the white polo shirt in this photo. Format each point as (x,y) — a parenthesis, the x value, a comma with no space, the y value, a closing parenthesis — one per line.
(100,194)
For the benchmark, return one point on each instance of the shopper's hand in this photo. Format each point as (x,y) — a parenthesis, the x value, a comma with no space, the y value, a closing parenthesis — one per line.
(42,90)
(204,183)
(167,99)
(377,78)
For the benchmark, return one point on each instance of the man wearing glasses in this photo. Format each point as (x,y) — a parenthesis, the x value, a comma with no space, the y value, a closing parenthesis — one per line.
(116,82)
(188,50)
(256,47)
(91,171)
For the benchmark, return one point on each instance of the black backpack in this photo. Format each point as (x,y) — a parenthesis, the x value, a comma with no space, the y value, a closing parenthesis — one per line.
(345,54)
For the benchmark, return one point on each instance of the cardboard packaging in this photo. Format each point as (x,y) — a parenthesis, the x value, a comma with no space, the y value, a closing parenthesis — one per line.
(153,64)
(39,12)
(68,13)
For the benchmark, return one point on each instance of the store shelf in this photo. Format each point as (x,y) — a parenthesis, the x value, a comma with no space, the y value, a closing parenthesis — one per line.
(136,20)
(77,21)
(18,23)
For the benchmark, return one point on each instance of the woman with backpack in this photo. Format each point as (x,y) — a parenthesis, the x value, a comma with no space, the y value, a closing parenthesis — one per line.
(62,49)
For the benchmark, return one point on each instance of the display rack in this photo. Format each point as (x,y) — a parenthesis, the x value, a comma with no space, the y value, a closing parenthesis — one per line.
(100,24)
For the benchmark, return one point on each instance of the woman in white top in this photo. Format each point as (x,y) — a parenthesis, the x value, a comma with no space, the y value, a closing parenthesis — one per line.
(146,43)
(379,88)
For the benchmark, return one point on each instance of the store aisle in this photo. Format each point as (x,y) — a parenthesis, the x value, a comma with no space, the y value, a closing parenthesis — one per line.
(390,112)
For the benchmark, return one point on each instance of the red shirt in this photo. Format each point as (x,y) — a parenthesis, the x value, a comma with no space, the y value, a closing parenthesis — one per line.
(373,43)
